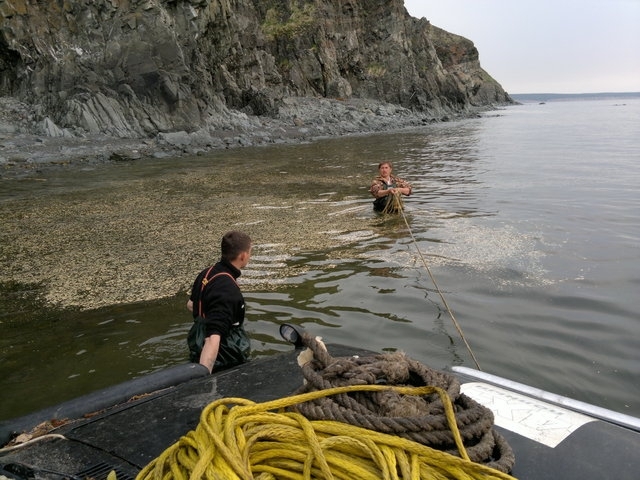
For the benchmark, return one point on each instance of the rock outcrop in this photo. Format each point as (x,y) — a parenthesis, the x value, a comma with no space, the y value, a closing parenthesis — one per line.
(140,68)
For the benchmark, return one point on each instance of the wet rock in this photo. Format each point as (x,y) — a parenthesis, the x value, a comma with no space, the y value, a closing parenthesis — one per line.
(125,156)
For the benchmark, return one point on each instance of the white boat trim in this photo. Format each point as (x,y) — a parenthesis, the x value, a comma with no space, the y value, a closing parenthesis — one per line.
(532,418)
(574,405)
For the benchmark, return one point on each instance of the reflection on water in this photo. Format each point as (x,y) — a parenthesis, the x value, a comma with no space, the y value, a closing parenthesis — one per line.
(51,355)
(515,273)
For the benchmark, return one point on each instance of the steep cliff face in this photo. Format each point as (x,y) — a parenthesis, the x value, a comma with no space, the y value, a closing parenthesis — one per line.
(133,68)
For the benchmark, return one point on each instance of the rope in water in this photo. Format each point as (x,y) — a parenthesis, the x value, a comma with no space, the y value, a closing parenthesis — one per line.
(395,205)
(239,439)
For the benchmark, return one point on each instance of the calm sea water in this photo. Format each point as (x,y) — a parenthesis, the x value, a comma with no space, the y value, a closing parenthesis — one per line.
(529,219)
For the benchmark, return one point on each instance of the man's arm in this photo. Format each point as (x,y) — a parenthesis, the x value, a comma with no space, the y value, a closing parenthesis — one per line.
(210,351)
(403,187)
(375,188)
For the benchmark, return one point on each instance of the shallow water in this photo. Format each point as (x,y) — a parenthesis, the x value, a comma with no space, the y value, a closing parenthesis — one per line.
(527,218)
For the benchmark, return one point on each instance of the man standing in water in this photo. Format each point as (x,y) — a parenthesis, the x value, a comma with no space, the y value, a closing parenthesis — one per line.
(218,339)
(385,185)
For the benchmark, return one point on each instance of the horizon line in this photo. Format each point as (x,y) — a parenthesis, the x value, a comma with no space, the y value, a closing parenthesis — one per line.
(579,93)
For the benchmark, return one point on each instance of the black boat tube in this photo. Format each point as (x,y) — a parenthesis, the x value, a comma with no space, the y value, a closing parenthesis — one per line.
(101,399)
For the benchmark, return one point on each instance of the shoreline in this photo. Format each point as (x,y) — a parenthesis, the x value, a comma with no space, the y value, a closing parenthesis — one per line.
(27,145)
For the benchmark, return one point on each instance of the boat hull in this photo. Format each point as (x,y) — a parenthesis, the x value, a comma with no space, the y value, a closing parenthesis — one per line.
(129,435)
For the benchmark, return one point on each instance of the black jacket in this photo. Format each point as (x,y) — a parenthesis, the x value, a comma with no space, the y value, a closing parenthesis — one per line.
(220,302)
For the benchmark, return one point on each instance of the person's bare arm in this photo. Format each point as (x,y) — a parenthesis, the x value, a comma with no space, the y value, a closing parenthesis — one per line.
(210,351)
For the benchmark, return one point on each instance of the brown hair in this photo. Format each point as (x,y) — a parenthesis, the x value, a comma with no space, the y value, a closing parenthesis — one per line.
(384,163)
(233,244)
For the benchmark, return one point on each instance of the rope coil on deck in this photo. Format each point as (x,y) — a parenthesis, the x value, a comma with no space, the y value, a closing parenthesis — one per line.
(421,419)
(239,439)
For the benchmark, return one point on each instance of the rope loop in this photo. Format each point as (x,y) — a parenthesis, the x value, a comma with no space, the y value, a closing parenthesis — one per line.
(394,204)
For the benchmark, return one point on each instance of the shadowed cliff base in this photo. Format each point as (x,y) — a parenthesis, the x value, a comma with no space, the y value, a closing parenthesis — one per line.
(29,146)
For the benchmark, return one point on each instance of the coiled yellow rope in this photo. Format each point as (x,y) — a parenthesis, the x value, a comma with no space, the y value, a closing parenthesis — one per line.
(239,439)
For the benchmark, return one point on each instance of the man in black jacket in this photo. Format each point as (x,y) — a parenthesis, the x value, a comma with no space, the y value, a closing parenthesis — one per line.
(217,302)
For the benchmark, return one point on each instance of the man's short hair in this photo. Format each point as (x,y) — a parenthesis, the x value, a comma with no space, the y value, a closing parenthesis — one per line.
(233,244)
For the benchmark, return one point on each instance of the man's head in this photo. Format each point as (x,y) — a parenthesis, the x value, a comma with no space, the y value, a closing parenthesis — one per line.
(385,168)
(236,248)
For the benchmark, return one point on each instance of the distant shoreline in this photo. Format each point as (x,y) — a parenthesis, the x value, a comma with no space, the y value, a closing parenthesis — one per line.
(549,97)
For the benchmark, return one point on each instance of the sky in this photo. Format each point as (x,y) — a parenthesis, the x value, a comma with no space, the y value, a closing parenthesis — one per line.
(547,46)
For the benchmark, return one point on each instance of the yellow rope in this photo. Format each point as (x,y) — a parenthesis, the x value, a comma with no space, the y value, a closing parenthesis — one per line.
(240,439)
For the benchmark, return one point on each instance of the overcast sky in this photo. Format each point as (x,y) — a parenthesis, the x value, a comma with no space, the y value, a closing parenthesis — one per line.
(547,46)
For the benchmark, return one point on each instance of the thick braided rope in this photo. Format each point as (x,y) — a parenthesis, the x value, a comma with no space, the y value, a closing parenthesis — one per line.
(239,439)
(418,419)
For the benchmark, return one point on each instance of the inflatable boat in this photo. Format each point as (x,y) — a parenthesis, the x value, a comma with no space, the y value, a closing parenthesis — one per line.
(120,430)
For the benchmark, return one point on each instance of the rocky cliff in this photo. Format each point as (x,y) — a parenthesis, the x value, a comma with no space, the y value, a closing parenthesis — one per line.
(139,68)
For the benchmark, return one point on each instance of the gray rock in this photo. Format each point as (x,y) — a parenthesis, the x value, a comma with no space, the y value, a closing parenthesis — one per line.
(50,129)
(7,128)
(176,139)
(125,156)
